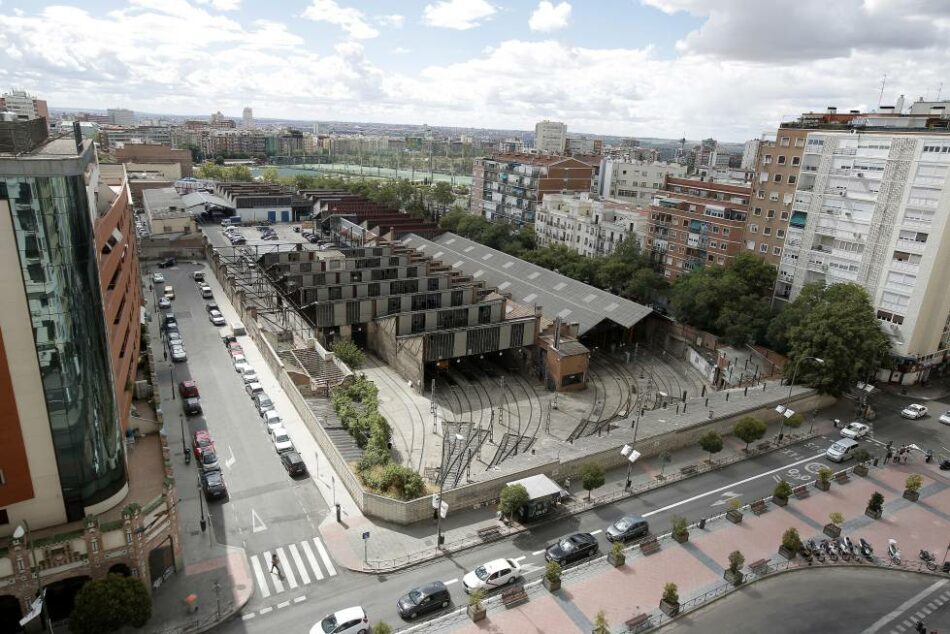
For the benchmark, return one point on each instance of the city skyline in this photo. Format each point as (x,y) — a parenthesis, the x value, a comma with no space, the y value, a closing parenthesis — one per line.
(658,68)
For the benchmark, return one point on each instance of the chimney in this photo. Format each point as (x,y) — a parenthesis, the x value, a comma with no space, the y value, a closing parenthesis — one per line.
(77,135)
(832,110)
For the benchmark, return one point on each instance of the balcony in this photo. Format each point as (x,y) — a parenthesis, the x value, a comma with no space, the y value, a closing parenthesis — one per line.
(911,246)
(904,266)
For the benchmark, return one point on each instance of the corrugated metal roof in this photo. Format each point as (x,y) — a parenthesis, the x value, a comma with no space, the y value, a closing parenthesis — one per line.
(530,284)
(201,198)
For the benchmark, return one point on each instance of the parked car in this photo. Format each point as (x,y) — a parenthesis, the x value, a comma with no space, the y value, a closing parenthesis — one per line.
(169,292)
(206,292)
(945,418)
(178,354)
(493,574)
(198,276)
(282,441)
(238,359)
(263,403)
(191,406)
(250,376)
(168,319)
(348,621)
(293,463)
(253,389)
(164,303)
(228,338)
(166,263)
(914,411)
(216,318)
(626,528)
(210,306)
(174,338)
(424,600)
(208,461)
(188,389)
(842,450)
(212,483)
(200,441)
(158,278)
(855,430)
(272,421)
(572,548)
(235,348)
(242,367)
(296,228)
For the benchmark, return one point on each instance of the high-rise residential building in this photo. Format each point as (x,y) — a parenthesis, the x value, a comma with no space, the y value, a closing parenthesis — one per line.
(121,116)
(24,105)
(584,145)
(694,223)
(635,181)
(248,118)
(871,207)
(587,224)
(510,187)
(550,136)
(750,154)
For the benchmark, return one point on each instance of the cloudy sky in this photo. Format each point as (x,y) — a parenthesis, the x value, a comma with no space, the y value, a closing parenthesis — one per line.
(724,68)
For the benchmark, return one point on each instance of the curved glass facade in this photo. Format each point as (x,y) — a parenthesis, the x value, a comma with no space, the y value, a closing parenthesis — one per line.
(54,235)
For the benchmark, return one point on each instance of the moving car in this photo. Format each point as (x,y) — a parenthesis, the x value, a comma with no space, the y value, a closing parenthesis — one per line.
(945,418)
(206,292)
(169,291)
(216,318)
(158,278)
(572,548)
(263,403)
(842,450)
(855,430)
(626,528)
(212,483)
(188,389)
(178,354)
(493,574)
(914,411)
(424,600)
(272,421)
(191,406)
(348,621)
(293,463)
(198,276)
(282,441)
(164,303)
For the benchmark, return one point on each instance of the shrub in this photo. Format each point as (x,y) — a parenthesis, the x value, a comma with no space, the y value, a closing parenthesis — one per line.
(592,476)
(382,628)
(862,456)
(601,626)
(711,442)
(792,540)
(349,353)
(836,518)
(616,549)
(671,593)
(913,483)
(794,421)
(733,504)
(552,571)
(876,503)
(749,429)
(476,597)
(824,475)
(736,561)
(680,526)
(512,498)
(782,490)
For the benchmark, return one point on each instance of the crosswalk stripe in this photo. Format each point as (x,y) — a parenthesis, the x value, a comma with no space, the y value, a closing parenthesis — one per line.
(286,568)
(313,560)
(259,575)
(304,577)
(275,579)
(324,556)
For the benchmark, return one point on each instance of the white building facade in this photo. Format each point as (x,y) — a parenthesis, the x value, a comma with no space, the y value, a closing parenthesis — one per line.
(588,225)
(635,181)
(550,136)
(872,207)
(121,116)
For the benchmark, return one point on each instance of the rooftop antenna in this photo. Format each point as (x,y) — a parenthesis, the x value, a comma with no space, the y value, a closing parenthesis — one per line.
(880,99)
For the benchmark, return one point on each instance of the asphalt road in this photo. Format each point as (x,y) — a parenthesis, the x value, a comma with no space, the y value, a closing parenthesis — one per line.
(828,600)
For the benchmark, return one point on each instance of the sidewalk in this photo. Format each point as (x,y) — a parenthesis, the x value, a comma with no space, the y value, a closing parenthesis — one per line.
(936,390)
(408,545)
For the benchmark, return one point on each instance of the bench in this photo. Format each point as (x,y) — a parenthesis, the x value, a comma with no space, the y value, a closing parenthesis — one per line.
(842,477)
(488,532)
(637,623)
(801,492)
(762,446)
(760,565)
(689,469)
(650,546)
(758,507)
(514,597)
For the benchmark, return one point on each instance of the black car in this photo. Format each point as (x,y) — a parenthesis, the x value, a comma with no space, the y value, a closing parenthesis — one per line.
(166,263)
(572,548)
(191,406)
(627,528)
(423,600)
(293,463)
(212,483)
(228,339)
(212,306)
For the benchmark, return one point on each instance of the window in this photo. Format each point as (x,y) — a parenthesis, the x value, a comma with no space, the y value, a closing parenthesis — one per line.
(753,228)
(778,178)
(781,160)
(770,214)
(780,233)
(777,251)
(796,160)
(768,159)
(757,211)
(799,142)
(785,141)
(792,179)
(784,215)
(750,245)
(763,248)
(760,195)
(767,231)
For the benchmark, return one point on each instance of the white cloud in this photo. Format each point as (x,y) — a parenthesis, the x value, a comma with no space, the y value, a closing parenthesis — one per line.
(457,14)
(401,50)
(395,20)
(222,5)
(550,17)
(349,19)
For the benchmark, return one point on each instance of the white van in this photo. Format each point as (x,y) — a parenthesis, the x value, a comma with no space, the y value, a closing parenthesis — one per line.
(842,450)
(169,292)
(231,222)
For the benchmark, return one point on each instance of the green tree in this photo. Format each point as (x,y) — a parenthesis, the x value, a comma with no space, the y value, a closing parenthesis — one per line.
(793,313)
(592,476)
(841,328)
(108,604)
(442,194)
(512,498)
(749,429)
(349,353)
(270,174)
(711,442)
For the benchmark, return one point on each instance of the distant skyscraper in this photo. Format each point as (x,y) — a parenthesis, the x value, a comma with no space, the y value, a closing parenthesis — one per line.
(248,118)
(121,116)
(550,136)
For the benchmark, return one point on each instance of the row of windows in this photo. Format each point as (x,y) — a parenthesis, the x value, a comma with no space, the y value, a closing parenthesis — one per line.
(780,160)
(770,213)
(763,248)
(766,231)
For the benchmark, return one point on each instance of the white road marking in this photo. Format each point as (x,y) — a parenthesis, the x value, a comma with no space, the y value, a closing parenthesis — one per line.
(304,577)
(300,599)
(313,560)
(597,532)
(324,556)
(451,581)
(283,605)
(231,459)
(265,610)
(903,607)
(730,486)
(287,569)
(537,552)
(728,495)
(518,559)
(259,575)
(248,617)
(257,524)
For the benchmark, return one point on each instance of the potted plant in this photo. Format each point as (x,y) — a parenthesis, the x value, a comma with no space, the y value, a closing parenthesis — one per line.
(733,573)
(791,543)
(861,456)
(670,603)
(823,482)
(833,530)
(476,610)
(734,515)
(875,506)
(912,487)
(601,626)
(781,493)
(680,531)
(552,576)
(616,556)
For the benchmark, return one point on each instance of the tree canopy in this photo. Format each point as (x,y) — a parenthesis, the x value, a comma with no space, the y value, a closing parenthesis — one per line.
(108,604)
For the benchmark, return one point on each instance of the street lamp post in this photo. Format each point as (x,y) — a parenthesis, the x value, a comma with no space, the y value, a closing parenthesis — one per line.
(201,507)
(442,478)
(18,534)
(784,409)
(184,447)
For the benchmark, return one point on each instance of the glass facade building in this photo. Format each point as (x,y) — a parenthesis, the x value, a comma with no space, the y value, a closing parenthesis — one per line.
(53,224)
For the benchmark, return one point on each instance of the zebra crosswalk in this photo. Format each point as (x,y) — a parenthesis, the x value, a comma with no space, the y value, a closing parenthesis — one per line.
(301,564)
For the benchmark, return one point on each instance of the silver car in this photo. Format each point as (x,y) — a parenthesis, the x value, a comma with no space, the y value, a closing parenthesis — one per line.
(263,403)
(178,354)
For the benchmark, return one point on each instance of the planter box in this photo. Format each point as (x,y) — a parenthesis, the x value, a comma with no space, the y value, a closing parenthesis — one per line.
(785,552)
(913,496)
(552,586)
(681,539)
(874,515)
(476,614)
(831,530)
(861,470)
(617,561)
(777,501)
(734,516)
(735,578)
(669,609)
(822,486)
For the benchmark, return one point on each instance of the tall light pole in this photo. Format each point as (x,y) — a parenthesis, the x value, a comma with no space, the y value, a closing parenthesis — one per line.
(784,409)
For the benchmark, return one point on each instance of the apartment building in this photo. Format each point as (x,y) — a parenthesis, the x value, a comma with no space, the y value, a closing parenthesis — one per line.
(24,105)
(247,118)
(587,224)
(121,116)
(550,136)
(694,223)
(871,207)
(635,181)
(111,138)
(154,157)
(510,187)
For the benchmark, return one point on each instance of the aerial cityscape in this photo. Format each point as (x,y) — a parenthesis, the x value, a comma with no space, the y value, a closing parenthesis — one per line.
(353,316)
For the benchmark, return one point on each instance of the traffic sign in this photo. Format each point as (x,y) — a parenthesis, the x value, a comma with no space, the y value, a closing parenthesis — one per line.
(366,535)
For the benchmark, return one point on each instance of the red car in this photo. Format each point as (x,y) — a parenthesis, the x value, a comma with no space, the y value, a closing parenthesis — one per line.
(235,348)
(202,441)
(188,389)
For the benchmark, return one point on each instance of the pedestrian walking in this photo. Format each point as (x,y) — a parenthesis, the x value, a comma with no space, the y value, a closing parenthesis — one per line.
(835,422)
(275,565)
(888,455)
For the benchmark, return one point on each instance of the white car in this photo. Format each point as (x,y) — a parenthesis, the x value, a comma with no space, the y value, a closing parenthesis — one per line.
(914,411)
(243,367)
(164,303)
(272,421)
(253,389)
(945,418)
(250,377)
(158,278)
(281,440)
(348,621)
(239,360)
(493,574)
(178,353)
(855,430)
(216,318)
